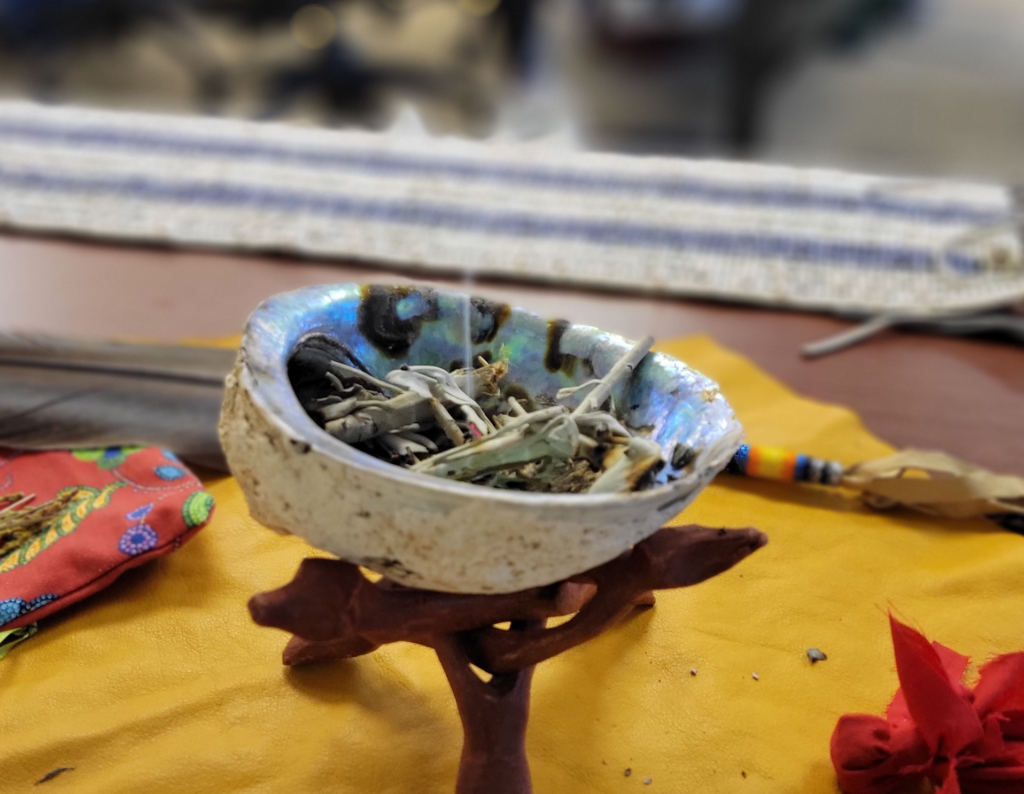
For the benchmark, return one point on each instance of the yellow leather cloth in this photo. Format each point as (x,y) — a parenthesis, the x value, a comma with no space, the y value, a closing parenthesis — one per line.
(162,684)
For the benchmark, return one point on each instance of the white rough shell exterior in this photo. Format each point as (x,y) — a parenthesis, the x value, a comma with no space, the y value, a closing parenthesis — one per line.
(418,530)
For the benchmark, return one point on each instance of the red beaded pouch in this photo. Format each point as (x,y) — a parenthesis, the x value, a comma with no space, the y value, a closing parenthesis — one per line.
(99,512)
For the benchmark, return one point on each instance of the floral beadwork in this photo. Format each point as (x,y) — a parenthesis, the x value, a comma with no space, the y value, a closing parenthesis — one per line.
(14,608)
(106,457)
(169,473)
(140,513)
(140,537)
(39,601)
(197,509)
(137,539)
(11,609)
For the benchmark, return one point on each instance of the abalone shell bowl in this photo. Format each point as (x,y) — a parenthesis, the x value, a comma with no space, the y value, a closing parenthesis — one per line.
(434,533)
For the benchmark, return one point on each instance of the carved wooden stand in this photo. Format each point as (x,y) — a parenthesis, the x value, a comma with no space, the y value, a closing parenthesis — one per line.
(335,613)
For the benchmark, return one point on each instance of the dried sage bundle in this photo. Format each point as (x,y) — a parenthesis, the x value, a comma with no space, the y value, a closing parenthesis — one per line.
(458,425)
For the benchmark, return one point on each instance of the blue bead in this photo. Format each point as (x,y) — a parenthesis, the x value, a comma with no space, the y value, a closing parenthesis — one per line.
(11,608)
(740,458)
(169,473)
(40,601)
(137,540)
(139,513)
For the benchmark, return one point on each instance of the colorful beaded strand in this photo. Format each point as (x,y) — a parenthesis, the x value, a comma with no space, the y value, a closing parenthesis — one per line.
(771,463)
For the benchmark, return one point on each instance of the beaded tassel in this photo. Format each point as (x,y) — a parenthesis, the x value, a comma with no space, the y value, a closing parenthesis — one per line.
(770,463)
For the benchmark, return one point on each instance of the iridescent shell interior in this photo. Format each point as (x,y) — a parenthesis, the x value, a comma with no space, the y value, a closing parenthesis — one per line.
(384,327)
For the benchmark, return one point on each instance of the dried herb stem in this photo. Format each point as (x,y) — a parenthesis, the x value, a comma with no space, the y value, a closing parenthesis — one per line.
(517,409)
(623,368)
(432,425)
(551,436)
(373,420)
(357,374)
(446,423)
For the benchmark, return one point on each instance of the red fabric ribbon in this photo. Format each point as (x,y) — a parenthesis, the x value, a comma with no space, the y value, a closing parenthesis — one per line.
(962,740)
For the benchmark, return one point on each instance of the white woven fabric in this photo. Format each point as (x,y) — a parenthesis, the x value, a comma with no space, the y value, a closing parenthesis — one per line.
(784,236)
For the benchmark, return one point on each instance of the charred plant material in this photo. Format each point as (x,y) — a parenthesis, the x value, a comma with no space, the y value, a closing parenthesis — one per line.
(458,425)
(625,466)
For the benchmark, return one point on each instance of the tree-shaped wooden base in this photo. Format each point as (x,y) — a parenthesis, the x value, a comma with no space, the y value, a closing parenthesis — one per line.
(335,612)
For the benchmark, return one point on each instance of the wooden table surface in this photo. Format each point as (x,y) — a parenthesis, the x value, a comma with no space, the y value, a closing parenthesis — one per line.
(965,397)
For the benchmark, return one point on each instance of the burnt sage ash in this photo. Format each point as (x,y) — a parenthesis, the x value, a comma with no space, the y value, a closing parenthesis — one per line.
(467,424)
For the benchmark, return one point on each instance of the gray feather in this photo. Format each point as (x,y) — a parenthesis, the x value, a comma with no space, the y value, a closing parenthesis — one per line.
(56,393)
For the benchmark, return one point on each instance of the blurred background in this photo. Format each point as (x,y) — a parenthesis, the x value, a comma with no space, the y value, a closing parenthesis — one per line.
(889,88)
(925,87)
